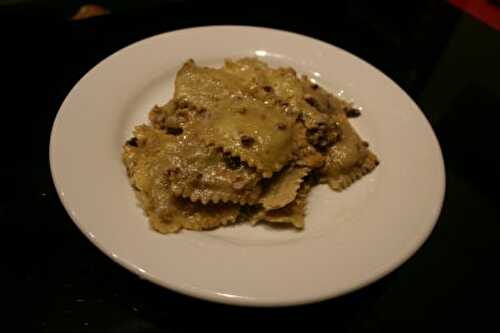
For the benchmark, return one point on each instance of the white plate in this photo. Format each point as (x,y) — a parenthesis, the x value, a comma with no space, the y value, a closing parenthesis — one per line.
(351,238)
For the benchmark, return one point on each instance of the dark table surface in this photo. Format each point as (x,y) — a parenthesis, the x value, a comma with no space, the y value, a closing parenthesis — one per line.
(56,280)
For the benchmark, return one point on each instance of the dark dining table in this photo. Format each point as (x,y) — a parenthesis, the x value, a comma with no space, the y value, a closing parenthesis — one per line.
(448,61)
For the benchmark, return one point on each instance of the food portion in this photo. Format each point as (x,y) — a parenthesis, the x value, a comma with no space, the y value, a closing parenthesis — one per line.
(245,142)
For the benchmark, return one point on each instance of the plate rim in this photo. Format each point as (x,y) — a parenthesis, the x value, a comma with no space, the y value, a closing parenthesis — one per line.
(211,295)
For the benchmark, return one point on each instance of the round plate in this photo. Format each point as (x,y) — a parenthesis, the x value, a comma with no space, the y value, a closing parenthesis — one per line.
(351,238)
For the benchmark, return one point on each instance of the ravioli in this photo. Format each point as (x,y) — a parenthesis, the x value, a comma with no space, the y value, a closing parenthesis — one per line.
(243,126)
(198,172)
(283,189)
(283,88)
(147,158)
(244,142)
(292,213)
(255,137)
(348,159)
(172,213)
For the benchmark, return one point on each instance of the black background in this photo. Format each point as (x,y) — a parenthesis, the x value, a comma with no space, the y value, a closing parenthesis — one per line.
(55,280)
